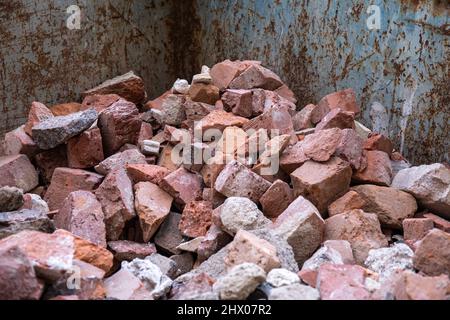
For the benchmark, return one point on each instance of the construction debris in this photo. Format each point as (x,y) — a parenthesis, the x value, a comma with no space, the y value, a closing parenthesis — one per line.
(223,188)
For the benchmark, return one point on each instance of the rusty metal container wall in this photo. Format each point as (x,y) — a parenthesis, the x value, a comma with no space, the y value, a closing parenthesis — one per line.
(322,46)
(41,59)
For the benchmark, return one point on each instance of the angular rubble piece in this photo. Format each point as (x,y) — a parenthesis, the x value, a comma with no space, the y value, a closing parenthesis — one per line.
(99,102)
(18,279)
(214,240)
(169,237)
(65,181)
(302,227)
(439,223)
(183,185)
(344,99)
(239,213)
(195,111)
(302,119)
(417,228)
(361,229)
(282,277)
(219,120)
(413,286)
(225,72)
(239,102)
(64,109)
(81,214)
(325,255)
(166,160)
(125,250)
(239,282)
(191,245)
(286,93)
(392,206)
(322,183)
(146,132)
(87,251)
(378,170)
(256,76)
(198,287)
(129,86)
(294,292)
(350,149)
(157,103)
(432,256)
(24,219)
(124,285)
(11,198)
(293,157)
(151,275)
(119,124)
(318,113)
(18,142)
(276,117)
(47,161)
(429,184)
(146,173)
(337,118)
(236,180)
(17,171)
(285,252)
(52,132)
(271,99)
(167,266)
(344,248)
(120,160)
(205,93)
(88,284)
(85,150)
(50,254)
(342,282)
(117,199)
(388,261)
(321,145)
(152,206)
(276,199)
(184,262)
(379,142)
(268,162)
(38,112)
(196,219)
(248,248)
(172,110)
(349,201)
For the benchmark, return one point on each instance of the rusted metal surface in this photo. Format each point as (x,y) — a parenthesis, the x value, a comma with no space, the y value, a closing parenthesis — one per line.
(322,46)
(41,59)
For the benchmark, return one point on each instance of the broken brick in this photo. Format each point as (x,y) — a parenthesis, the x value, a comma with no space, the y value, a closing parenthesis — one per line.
(17,171)
(196,219)
(66,180)
(85,150)
(82,215)
(322,183)
(248,248)
(152,206)
(119,124)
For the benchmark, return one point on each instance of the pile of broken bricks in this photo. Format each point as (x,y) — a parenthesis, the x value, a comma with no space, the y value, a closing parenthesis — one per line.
(94,205)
